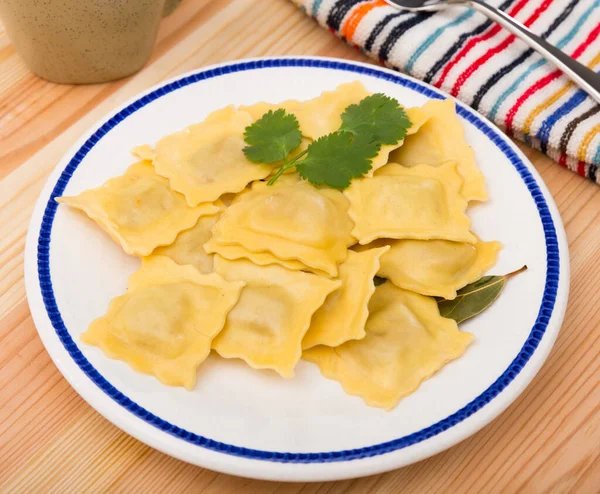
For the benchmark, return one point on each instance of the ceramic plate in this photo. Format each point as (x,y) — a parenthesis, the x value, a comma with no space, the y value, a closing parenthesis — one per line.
(252,423)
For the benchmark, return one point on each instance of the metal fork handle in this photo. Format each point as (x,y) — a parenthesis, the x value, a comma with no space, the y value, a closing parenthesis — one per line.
(586,78)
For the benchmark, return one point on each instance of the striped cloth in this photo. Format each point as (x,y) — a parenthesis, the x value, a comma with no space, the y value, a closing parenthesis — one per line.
(474,59)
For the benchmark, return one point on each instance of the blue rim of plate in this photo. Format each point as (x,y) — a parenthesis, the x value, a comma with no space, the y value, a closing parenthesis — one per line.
(535,336)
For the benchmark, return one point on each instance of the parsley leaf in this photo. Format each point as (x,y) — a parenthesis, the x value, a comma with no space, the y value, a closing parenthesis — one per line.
(377,116)
(337,158)
(272,137)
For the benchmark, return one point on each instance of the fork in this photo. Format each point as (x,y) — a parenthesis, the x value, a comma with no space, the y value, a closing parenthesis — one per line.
(585,78)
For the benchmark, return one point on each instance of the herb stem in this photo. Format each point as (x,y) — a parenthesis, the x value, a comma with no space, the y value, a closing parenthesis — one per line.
(286,166)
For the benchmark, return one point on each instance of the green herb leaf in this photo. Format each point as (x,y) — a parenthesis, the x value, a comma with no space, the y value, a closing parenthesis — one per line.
(272,137)
(334,159)
(475,298)
(337,158)
(378,117)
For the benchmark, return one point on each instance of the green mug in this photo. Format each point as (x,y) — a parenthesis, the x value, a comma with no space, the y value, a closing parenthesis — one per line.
(84,41)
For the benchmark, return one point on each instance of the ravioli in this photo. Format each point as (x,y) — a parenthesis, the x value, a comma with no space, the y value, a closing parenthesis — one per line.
(144,152)
(188,247)
(273,274)
(441,139)
(292,220)
(165,323)
(257,110)
(233,252)
(422,202)
(138,209)
(322,115)
(344,313)
(435,267)
(266,327)
(206,160)
(407,341)
(417,118)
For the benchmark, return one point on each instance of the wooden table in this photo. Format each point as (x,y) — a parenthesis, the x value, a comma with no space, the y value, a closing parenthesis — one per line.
(52,441)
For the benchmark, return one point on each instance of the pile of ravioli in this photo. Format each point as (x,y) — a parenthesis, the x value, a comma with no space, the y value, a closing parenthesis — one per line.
(273,274)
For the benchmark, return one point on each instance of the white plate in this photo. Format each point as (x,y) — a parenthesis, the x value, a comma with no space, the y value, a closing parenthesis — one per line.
(255,424)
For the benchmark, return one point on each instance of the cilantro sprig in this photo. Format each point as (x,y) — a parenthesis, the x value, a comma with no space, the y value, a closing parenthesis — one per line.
(272,137)
(335,159)
(377,116)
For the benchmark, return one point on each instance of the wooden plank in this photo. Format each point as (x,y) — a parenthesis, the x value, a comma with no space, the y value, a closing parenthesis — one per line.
(52,441)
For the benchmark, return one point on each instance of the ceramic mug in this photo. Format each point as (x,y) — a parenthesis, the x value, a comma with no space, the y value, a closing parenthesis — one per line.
(84,41)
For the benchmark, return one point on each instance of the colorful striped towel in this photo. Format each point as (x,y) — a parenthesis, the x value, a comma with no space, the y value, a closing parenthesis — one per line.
(474,59)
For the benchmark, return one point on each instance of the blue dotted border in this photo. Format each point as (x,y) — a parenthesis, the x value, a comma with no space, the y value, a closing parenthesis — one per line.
(496,388)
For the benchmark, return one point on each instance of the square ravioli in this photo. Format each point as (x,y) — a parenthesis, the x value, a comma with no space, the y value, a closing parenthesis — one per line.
(344,313)
(138,209)
(144,152)
(292,220)
(164,325)
(322,115)
(441,139)
(422,202)
(407,341)
(233,252)
(435,267)
(417,118)
(206,160)
(188,247)
(267,325)
(257,110)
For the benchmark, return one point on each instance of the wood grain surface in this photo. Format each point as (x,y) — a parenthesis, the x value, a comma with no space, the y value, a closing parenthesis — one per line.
(52,441)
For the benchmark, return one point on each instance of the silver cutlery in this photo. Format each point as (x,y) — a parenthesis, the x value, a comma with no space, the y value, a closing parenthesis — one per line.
(585,78)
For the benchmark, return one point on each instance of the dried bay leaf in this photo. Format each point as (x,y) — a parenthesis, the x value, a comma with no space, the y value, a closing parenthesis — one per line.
(475,298)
